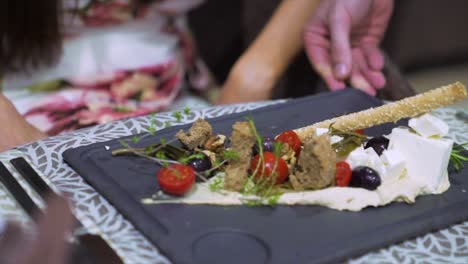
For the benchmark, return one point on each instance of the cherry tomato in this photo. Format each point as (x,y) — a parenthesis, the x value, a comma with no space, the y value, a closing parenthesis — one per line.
(343,174)
(360,131)
(292,139)
(177,179)
(270,163)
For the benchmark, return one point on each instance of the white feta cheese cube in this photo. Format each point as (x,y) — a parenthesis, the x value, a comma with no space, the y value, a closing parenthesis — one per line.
(366,157)
(426,158)
(375,162)
(428,125)
(394,164)
(357,157)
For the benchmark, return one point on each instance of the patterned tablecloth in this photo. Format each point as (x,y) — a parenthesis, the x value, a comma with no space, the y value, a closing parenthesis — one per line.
(98,216)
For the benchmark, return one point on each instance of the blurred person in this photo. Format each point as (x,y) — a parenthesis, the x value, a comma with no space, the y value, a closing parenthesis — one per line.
(69,64)
(78,63)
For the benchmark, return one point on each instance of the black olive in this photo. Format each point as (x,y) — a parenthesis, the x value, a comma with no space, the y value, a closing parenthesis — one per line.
(200,164)
(379,144)
(366,178)
(268,145)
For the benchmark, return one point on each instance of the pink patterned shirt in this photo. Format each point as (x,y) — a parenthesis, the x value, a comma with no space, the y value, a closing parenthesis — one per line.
(117,62)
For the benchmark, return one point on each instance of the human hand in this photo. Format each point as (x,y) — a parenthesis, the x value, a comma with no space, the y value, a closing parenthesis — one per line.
(16,130)
(47,245)
(342,42)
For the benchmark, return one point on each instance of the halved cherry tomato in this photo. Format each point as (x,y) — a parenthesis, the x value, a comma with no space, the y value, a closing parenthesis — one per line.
(271,166)
(292,139)
(343,174)
(360,131)
(177,179)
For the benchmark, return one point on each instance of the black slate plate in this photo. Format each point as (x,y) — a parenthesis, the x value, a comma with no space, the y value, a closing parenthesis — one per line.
(236,234)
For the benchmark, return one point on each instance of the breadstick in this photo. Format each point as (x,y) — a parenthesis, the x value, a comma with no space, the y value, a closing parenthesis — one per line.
(392,112)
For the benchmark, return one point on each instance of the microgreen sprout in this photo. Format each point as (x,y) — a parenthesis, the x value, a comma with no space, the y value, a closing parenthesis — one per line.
(187,111)
(185,160)
(152,127)
(257,183)
(135,139)
(217,184)
(178,116)
(161,155)
(277,147)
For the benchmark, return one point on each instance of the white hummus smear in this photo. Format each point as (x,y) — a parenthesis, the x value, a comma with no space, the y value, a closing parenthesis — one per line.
(414,164)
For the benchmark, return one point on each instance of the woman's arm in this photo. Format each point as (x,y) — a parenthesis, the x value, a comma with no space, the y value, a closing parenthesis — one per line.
(15,129)
(259,68)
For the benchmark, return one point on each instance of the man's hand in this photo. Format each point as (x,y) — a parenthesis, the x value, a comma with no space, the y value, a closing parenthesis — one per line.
(342,41)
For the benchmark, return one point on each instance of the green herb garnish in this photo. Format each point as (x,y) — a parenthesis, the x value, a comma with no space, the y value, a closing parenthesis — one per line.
(135,139)
(178,116)
(185,160)
(350,141)
(152,127)
(161,155)
(150,150)
(263,188)
(217,184)
(187,111)
(457,157)
(230,155)
(277,147)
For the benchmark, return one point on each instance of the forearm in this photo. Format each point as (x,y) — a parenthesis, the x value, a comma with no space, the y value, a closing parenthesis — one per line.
(282,38)
(256,72)
(18,131)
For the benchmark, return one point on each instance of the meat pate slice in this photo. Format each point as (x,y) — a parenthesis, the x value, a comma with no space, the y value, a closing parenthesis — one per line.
(316,165)
(243,140)
(197,135)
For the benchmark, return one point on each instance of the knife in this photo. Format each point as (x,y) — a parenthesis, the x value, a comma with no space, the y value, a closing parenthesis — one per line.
(96,243)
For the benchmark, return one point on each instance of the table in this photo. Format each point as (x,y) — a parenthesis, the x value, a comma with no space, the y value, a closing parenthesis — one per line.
(99,217)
